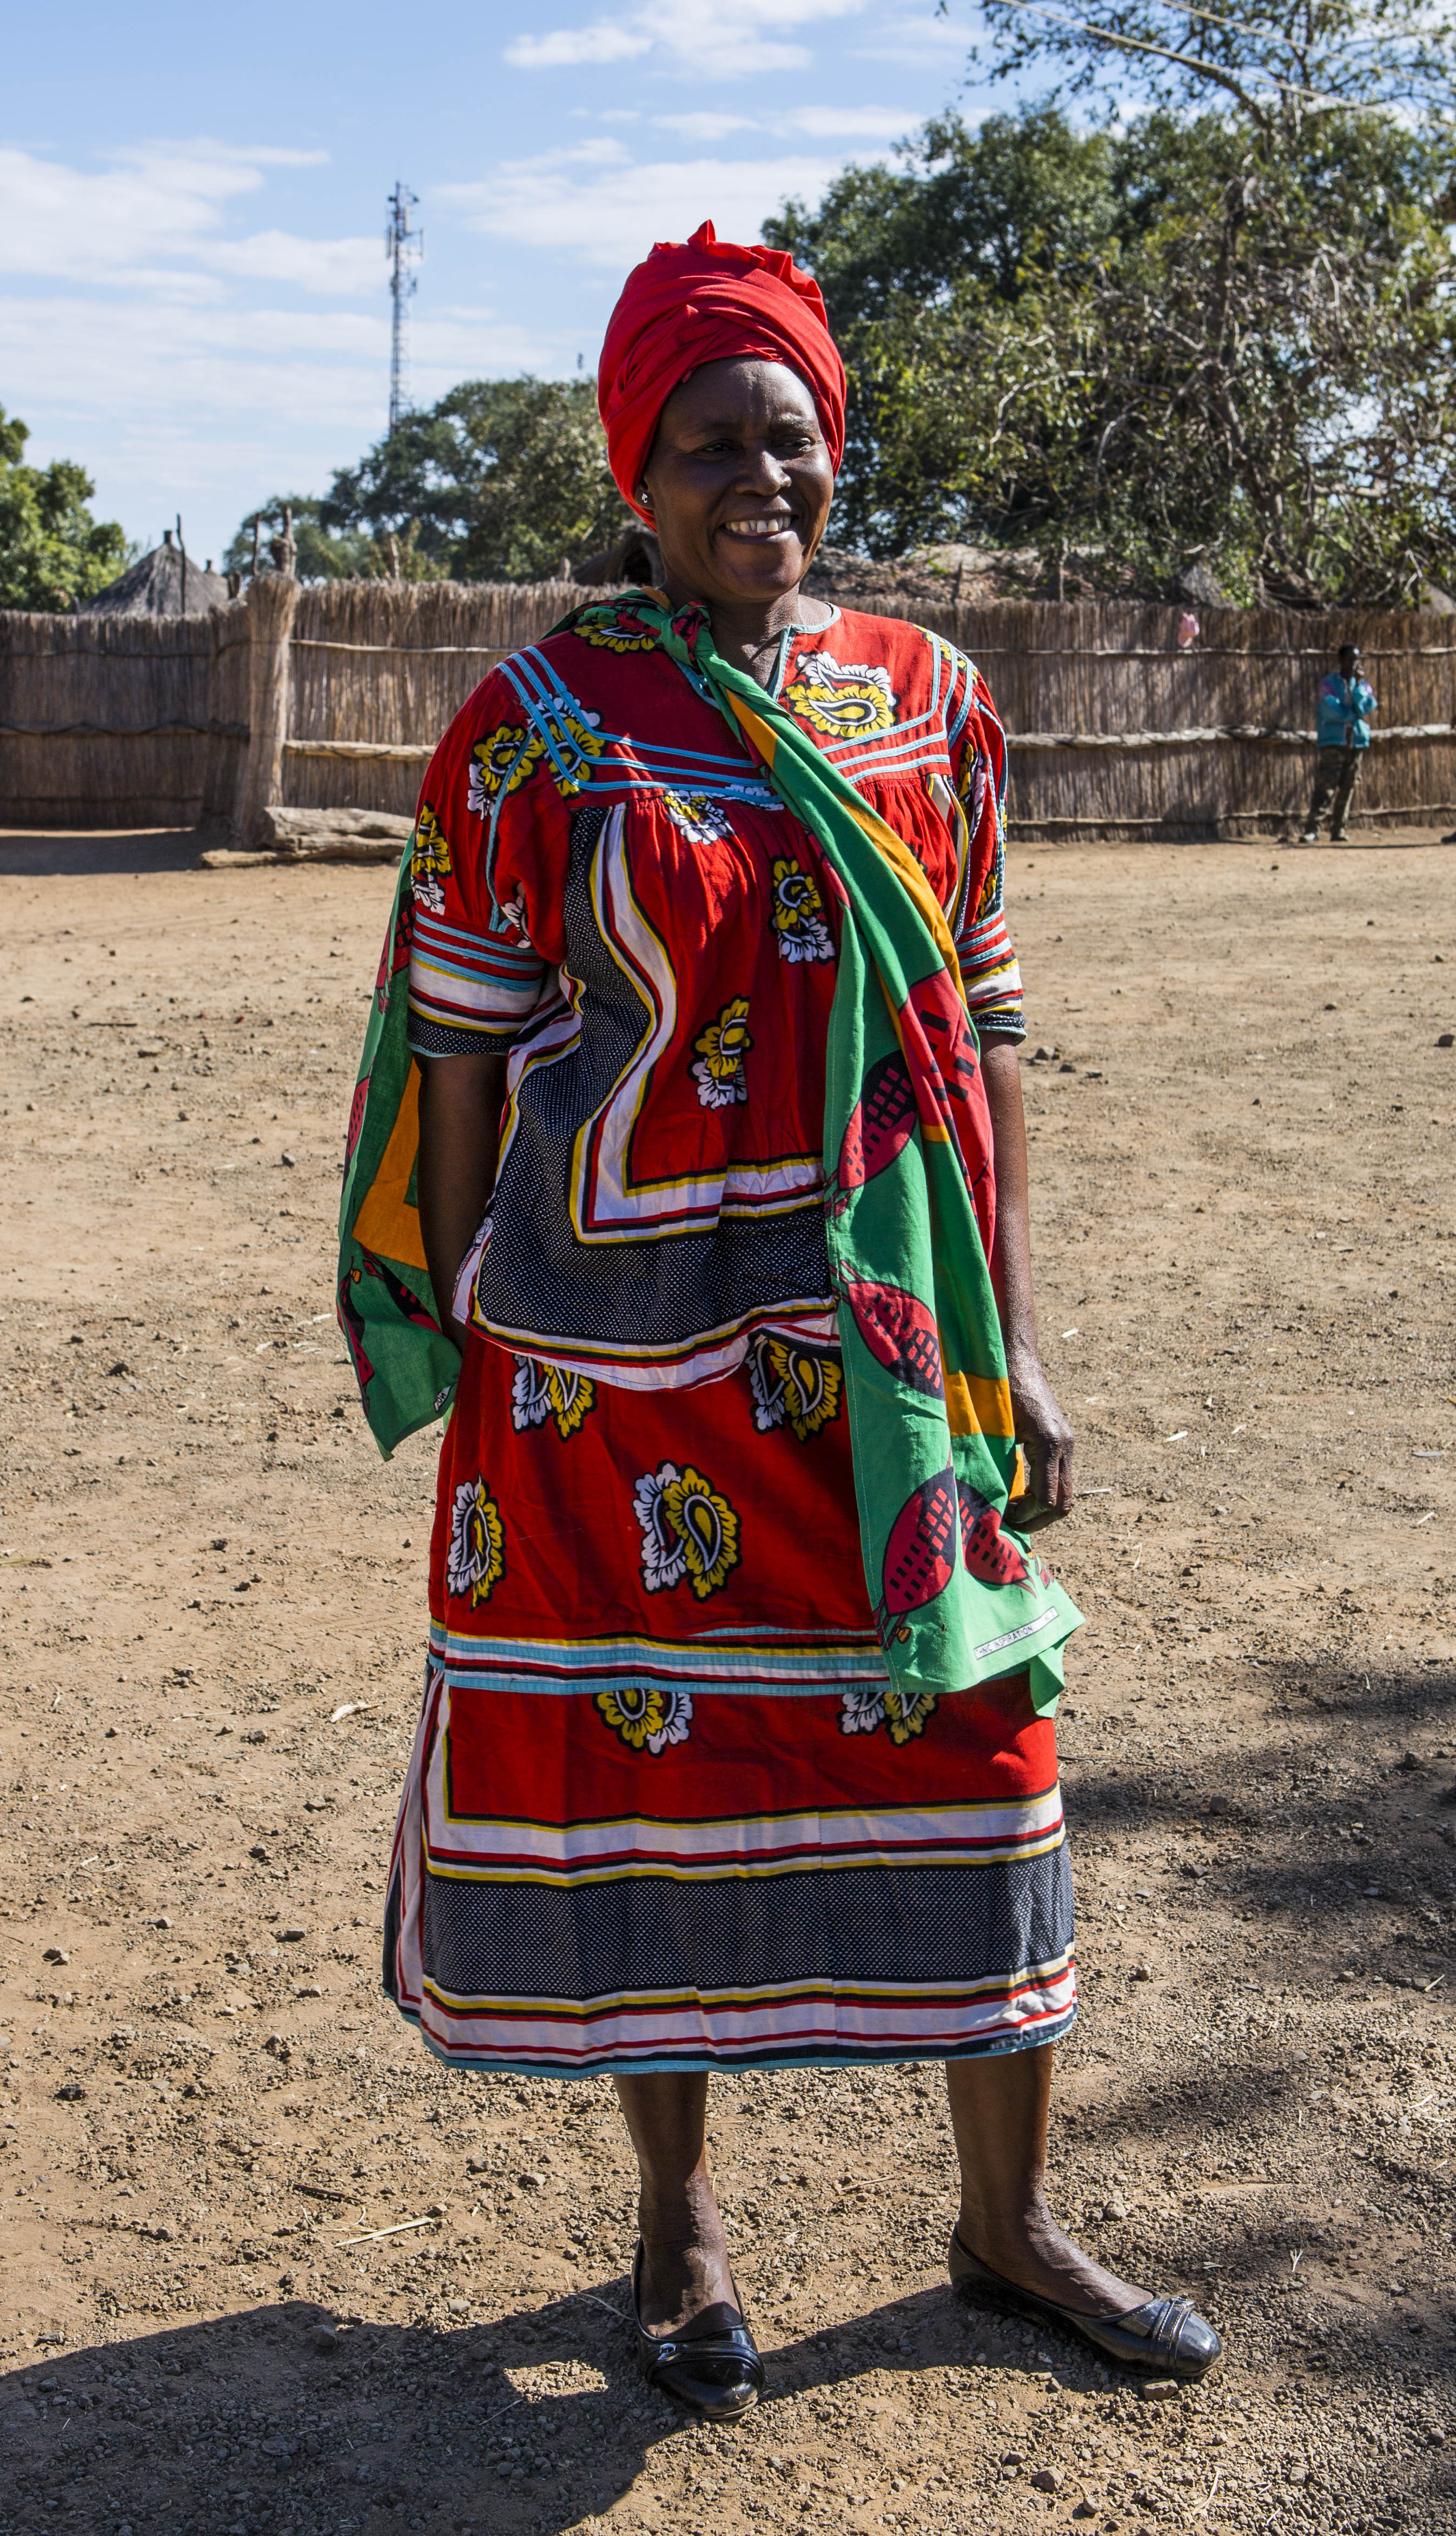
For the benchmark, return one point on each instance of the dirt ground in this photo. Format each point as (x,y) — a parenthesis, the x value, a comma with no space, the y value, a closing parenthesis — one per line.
(213,1630)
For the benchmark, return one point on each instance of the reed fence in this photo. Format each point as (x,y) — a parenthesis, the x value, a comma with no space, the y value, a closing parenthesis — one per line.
(121,722)
(1116,732)
(332,698)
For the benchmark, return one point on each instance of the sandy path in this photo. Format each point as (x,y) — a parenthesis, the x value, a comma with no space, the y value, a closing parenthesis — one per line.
(212,1624)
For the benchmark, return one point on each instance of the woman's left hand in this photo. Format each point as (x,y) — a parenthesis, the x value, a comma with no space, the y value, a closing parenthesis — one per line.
(1045,1436)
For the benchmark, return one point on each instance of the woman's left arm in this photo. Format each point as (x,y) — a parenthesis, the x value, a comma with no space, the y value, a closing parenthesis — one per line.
(1041,1430)
(461,1099)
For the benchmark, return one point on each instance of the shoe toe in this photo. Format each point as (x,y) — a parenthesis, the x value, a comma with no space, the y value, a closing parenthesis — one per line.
(719,2400)
(718,2386)
(1198,2345)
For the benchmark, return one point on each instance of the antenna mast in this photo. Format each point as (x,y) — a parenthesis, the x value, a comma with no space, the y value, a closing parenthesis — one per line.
(404,248)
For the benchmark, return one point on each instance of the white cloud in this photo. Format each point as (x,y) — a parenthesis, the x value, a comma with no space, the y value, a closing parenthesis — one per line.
(154,219)
(852,124)
(350,265)
(612,213)
(699,38)
(454,344)
(918,30)
(704,127)
(565,47)
(58,220)
(847,122)
(105,356)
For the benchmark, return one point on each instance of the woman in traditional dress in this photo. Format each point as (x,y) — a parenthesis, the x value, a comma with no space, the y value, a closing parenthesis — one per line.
(736,1748)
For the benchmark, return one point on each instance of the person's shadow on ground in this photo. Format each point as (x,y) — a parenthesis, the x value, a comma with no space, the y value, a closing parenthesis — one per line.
(274,2423)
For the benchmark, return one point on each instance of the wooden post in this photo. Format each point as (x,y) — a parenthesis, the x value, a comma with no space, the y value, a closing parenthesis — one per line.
(272,597)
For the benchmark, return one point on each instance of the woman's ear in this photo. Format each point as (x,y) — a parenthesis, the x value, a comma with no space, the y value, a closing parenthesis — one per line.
(644,498)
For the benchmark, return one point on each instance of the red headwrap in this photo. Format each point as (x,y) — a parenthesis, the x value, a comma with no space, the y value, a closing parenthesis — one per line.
(710,301)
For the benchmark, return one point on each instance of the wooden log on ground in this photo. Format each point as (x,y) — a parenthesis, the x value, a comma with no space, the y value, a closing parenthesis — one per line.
(314,849)
(287,836)
(281,825)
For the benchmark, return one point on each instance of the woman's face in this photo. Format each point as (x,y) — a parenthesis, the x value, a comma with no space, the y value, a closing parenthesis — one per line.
(739,483)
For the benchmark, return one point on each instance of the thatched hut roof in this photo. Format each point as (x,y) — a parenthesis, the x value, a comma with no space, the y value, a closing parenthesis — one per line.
(153,588)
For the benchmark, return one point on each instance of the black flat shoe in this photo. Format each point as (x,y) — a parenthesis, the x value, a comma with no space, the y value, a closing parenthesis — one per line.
(1167,2337)
(711,2366)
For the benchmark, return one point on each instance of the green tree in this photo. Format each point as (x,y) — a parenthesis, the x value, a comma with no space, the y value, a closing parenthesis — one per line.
(1280,65)
(1222,334)
(500,480)
(51,550)
(1025,195)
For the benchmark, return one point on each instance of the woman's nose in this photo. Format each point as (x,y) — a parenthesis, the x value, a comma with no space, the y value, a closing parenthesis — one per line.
(762,470)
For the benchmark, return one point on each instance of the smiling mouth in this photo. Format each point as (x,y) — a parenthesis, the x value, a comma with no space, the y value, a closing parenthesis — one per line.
(761,529)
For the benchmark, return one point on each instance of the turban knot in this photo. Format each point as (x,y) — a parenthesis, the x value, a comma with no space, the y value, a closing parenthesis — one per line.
(710,301)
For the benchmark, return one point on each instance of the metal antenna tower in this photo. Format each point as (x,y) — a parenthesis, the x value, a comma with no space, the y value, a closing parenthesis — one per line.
(404,248)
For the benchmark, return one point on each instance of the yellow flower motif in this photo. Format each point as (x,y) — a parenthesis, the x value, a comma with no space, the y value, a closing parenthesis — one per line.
(707,1527)
(430,861)
(863,1711)
(721,1050)
(844,702)
(906,1717)
(540,1391)
(618,631)
(687,1530)
(788,1382)
(572,1395)
(655,1718)
(502,761)
(475,1560)
(701,819)
(798,913)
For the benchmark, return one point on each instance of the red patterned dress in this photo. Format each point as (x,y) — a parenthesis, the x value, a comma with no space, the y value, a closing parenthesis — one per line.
(664,1809)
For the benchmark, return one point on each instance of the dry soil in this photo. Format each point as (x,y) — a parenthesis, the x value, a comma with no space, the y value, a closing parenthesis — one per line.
(213,1621)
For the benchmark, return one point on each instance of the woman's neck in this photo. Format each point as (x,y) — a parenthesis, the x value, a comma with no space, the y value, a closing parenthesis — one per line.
(748,631)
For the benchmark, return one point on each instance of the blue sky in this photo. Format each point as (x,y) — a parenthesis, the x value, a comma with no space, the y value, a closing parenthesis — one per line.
(192,275)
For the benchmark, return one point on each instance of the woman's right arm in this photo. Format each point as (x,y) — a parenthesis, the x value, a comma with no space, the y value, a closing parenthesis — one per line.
(461,1099)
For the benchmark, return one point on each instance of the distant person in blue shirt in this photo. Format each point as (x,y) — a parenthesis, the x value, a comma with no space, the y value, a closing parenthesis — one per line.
(1345,704)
